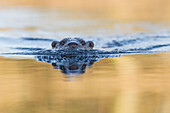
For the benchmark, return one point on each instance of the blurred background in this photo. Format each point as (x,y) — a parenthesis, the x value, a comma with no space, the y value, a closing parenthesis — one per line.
(70,18)
(124,10)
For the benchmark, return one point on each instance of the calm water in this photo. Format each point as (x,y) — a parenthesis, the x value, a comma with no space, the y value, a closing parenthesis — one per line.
(128,72)
(129,84)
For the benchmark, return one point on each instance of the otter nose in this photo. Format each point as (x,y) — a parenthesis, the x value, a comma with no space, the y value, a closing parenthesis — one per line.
(73,44)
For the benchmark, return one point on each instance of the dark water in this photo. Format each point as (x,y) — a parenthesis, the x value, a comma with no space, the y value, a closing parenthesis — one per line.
(127,72)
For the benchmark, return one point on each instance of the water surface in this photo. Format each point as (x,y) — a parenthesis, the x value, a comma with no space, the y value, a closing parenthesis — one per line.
(128,72)
(132,83)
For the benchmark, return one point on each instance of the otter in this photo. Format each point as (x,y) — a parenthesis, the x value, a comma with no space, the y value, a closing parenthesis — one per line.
(72,44)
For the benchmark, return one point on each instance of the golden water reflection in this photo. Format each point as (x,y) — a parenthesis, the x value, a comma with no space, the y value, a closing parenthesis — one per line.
(124,10)
(129,84)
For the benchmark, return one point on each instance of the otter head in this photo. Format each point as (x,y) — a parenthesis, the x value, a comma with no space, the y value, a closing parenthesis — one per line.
(72,44)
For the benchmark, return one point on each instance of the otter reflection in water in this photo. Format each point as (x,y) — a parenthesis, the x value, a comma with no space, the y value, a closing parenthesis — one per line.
(70,64)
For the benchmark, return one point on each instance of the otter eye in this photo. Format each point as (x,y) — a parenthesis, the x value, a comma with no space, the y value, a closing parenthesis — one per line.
(91,44)
(54,43)
(62,42)
(83,42)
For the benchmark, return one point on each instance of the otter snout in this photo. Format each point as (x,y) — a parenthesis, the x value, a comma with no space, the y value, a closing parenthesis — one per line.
(72,45)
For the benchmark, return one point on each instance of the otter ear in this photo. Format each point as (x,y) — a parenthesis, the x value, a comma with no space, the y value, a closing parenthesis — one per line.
(54,44)
(90,44)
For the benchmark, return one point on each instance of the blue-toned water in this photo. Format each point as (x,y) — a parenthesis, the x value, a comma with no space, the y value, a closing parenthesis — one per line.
(138,43)
(33,29)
